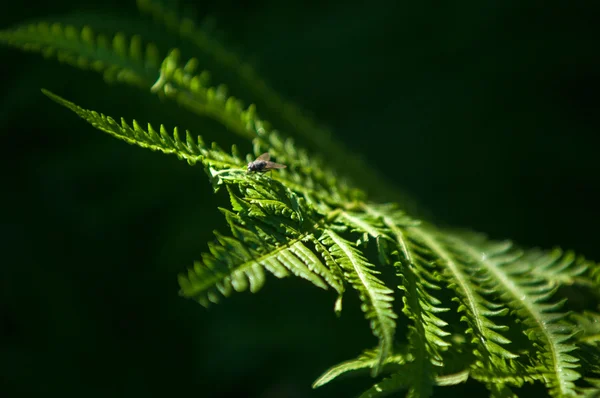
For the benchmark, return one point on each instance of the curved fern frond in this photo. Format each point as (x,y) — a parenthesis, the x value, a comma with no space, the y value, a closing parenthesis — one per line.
(375,296)
(461,274)
(309,221)
(426,333)
(118,58)
(190,150)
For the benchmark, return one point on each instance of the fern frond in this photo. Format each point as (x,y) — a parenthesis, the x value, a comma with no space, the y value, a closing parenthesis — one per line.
(309,221)
(375,296)
(426,334)
(528,295)
(462,275)
(119,58)
(190,150)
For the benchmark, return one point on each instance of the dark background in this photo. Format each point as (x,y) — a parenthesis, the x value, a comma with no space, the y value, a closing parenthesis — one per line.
(485,111)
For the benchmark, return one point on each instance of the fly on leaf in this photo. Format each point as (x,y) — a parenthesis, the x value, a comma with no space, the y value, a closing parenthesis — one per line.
(262,164)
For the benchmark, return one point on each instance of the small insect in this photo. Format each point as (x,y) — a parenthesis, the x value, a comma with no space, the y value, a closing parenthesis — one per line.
(262,164)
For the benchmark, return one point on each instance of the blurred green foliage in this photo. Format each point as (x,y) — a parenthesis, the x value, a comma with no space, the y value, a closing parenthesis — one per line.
(485,111)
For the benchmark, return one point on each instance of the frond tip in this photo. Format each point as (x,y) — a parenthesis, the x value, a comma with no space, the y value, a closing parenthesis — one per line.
(119,58)
(162,141)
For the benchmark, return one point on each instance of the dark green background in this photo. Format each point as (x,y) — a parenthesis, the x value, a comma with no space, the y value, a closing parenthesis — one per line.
(485,111)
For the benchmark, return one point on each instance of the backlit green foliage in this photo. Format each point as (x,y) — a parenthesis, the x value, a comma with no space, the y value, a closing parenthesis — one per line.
(471,307)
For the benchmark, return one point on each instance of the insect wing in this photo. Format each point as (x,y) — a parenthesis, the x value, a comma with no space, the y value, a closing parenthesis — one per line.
(265,156)
(273,165)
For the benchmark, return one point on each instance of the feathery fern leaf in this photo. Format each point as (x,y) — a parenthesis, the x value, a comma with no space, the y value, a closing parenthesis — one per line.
(478,310)
(310,221)
(426,334)
(375,296)
(118,59)
(273,220)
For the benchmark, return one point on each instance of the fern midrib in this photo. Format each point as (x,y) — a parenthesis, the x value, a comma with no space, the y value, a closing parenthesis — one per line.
(364,281)
(529,305)
(382,320)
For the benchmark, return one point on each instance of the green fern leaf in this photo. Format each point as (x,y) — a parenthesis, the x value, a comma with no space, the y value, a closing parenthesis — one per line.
(304,221)
(118,59)
(150,139)
(461,272)
(376,297)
